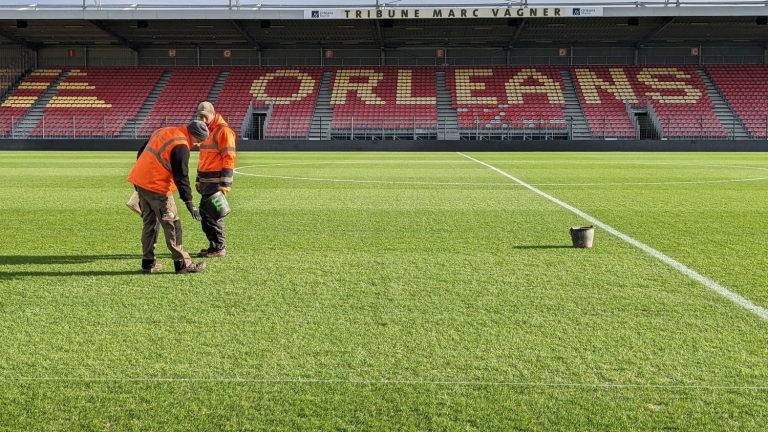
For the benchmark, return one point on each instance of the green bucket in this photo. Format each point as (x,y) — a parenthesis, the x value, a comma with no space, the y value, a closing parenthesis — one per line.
(215,206)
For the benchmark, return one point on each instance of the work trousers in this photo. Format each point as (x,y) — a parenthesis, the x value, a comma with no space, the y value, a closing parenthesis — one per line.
(213,228)
(158,209)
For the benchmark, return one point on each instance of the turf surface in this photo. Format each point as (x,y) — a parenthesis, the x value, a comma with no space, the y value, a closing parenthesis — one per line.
(390,291)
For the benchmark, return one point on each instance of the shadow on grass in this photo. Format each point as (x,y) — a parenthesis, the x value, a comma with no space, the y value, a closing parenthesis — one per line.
(63,259)
(86,273)
(542,247)
(8,261)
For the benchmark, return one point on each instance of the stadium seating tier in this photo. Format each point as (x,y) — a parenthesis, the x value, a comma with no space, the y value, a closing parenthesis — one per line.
(99,101)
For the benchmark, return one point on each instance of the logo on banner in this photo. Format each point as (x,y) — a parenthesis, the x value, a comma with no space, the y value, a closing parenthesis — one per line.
(582,11)
(322,14)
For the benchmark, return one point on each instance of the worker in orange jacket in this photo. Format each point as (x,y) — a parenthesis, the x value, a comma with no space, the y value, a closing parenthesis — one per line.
(215,172)
(162,167)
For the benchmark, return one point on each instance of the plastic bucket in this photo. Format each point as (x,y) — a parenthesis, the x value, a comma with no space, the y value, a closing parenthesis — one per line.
(582,236)
(133,203)
(216,206)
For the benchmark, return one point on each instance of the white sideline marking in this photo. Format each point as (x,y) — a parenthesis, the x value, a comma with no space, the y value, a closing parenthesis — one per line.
(317,179)
(389,382)
(707,282)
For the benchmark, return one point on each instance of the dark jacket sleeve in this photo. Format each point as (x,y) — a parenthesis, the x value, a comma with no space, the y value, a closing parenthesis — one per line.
(138,155)
(180,170)
(141,149)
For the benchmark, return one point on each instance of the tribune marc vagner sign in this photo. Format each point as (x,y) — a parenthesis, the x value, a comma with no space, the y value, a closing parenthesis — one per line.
(463,12)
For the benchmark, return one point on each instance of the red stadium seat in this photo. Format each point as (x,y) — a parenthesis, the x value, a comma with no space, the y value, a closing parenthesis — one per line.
(378,99)
(23,97)
(187,87)
(96,101)
(507,98)
(745,88)
(292,92)
(676,94)
(99,101)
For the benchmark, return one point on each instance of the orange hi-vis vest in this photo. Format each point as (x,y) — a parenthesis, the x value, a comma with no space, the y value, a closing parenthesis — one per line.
(218,154)
(152,170)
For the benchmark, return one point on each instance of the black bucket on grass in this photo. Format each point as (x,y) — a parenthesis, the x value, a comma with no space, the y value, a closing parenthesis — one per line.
(582,236)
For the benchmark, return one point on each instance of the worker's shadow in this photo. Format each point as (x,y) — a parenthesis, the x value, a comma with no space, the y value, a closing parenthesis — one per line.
(9,264)
(61,259)
(23,274)
(542,247)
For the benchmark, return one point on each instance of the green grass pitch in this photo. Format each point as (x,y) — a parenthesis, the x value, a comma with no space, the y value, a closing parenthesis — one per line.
(390,291)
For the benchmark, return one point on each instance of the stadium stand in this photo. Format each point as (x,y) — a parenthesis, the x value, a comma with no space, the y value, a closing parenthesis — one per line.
(96,101)
(23,97)
(499,99)
(381,99)
(8,76)
(679,99)
(746,90)
(178,101)
(675,97)
(235,97)
(291,91)
(500,72)
(603,93)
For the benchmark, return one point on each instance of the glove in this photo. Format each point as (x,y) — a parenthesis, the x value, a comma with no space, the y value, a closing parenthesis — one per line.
(197,187)
(225,189)
(193,211)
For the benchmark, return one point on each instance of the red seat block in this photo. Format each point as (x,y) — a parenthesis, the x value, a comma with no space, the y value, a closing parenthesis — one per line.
(745,88)
(489,98)
(383,98)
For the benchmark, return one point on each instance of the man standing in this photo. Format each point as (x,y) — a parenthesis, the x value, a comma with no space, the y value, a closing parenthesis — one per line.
(215,172)
(162,167)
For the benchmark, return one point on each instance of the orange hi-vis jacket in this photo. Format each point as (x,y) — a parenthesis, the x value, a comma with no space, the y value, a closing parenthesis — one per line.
(217,156)
(152,170)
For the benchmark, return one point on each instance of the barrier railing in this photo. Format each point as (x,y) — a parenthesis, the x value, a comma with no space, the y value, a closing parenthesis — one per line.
(408,128)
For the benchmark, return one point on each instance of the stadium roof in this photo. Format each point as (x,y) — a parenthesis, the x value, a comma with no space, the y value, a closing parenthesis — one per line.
(255,25)
(293,9)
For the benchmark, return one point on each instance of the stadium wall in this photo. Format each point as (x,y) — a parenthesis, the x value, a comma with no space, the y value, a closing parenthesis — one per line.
(460,56)
(406,145)
(16,57)
(86,56)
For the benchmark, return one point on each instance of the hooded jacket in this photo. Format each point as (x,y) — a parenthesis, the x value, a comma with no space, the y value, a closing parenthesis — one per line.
(161,165)
(217,157)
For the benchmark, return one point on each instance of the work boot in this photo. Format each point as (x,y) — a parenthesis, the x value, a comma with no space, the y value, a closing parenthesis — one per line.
(209,248)
(213,253)
(150,266)
(192,268)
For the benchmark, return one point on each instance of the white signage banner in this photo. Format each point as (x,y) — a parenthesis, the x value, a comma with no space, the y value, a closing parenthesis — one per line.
(462,12)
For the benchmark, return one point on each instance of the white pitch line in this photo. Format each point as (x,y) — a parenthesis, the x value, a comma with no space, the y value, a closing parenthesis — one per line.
(388,382)
(707,282)
(318,179)
(315,179)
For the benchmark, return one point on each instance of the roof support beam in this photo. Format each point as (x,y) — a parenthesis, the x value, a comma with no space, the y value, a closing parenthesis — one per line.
(515,36)
(652,34)
(101,25)
(379,33)
(246,34)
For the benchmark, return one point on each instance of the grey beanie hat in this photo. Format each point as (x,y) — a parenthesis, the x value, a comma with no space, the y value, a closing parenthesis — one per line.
(198,129)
